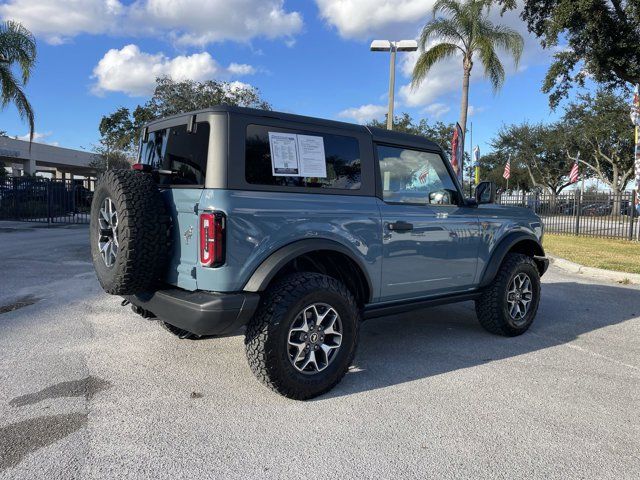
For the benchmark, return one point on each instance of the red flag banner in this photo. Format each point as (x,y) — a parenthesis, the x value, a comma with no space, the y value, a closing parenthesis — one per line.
(635,118)
(507,169)
(574,173)
(457,150)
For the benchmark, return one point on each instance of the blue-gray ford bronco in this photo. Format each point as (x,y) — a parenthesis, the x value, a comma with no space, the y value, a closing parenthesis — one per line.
(297,229)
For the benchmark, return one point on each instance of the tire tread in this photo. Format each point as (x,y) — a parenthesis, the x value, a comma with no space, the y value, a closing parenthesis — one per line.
(143,232)
(273,307)
(488,307)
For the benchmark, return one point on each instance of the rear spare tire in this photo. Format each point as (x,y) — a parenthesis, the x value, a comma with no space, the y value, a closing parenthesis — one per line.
(129,232)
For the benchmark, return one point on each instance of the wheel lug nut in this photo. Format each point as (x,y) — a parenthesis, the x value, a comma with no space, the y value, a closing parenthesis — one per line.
(315,347)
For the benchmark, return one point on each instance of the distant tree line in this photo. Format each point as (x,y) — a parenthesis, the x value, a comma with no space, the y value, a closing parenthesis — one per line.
(120,131)
(594,130)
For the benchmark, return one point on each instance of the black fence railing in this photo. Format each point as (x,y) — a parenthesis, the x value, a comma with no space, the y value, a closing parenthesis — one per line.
(44,200)
(593,214)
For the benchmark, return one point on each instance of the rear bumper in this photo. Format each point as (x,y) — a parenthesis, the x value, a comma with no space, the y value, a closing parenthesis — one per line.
(203,313)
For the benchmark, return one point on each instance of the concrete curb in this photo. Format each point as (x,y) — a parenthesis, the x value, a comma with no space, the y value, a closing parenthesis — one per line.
(599,273)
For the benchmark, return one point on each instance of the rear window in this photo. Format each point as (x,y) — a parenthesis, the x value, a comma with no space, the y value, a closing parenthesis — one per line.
(181,157)
(339,167)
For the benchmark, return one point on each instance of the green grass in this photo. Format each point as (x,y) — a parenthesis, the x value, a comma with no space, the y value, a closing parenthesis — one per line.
(619,255)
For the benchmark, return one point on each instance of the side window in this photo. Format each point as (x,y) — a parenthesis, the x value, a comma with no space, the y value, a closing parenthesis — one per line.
(341,158)
(412,176)
(180,155)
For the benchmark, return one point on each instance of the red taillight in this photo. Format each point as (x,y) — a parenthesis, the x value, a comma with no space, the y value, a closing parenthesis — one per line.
(212,239)
(143,167)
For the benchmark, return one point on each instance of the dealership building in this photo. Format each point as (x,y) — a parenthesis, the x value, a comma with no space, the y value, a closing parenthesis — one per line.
(46,160)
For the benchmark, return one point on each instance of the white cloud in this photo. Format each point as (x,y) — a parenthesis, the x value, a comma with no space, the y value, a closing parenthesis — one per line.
(58,20)
(436,110)
(473,110)
(364,113)
(241,69)
(188,22)
(236,85)
(362,19)
(134,72)
(38,137)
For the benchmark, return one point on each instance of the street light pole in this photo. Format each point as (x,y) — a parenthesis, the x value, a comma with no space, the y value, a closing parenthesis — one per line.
(393,47)
(392,85)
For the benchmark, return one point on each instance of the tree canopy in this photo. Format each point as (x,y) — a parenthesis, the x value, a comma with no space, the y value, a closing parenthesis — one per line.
(438,132)
(17,49)
(598,128)
(120,131)
(594,130)
(595,39)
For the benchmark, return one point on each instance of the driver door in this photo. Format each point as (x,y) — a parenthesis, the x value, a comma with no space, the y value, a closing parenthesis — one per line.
(430,239)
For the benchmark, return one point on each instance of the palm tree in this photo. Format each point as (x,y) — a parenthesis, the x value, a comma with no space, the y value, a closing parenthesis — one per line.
(17,46)
(466,30)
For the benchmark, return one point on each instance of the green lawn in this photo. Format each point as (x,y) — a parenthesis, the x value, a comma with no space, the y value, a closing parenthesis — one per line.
(619,255)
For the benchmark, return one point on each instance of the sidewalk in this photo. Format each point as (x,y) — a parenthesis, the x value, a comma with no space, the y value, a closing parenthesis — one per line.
(599,273)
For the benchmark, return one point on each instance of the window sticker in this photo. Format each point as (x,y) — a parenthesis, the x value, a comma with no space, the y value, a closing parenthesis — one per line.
(312,158)
(284,154)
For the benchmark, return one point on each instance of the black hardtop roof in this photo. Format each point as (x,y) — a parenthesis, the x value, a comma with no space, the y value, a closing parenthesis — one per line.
(379,134)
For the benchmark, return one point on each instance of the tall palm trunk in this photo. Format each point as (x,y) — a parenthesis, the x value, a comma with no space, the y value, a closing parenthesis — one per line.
(464,103)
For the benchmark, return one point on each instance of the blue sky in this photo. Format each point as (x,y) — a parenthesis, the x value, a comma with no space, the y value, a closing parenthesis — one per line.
(307,57)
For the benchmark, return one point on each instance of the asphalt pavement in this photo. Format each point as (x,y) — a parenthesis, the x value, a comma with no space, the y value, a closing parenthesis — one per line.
(88,390)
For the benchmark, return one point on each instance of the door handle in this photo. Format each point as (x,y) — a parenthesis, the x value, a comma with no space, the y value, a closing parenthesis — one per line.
(400,226)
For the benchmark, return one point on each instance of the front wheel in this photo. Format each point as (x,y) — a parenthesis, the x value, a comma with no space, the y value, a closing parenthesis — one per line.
(303,337)
(509,305)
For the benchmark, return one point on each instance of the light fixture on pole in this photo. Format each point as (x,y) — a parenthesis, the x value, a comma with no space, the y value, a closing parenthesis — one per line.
(393,47)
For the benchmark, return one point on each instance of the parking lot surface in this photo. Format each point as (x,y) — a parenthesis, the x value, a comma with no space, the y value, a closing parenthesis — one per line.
(89,390)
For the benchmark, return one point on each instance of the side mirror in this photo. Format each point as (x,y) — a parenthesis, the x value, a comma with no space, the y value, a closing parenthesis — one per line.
(486,193)
(441,197)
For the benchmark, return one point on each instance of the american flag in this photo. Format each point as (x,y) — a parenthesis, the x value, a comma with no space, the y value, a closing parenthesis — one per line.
(573,174)
(423,173)
(507,169)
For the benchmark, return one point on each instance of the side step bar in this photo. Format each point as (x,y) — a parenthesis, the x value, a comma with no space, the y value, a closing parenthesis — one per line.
(393,308)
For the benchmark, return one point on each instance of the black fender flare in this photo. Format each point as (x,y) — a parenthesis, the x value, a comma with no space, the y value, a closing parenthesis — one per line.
(504,246)
(268,269)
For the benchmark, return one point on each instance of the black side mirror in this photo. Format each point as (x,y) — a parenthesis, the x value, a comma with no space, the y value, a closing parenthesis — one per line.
(486,193)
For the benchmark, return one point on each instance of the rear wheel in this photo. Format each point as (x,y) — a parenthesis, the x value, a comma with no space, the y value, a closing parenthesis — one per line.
(303,337)
(509,305)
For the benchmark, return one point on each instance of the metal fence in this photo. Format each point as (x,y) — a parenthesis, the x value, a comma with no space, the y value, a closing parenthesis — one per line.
(35,199)
(592,214)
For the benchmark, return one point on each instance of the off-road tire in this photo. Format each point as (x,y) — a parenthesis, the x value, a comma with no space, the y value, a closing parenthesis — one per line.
(143,232)
(267,334)
(492,307)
